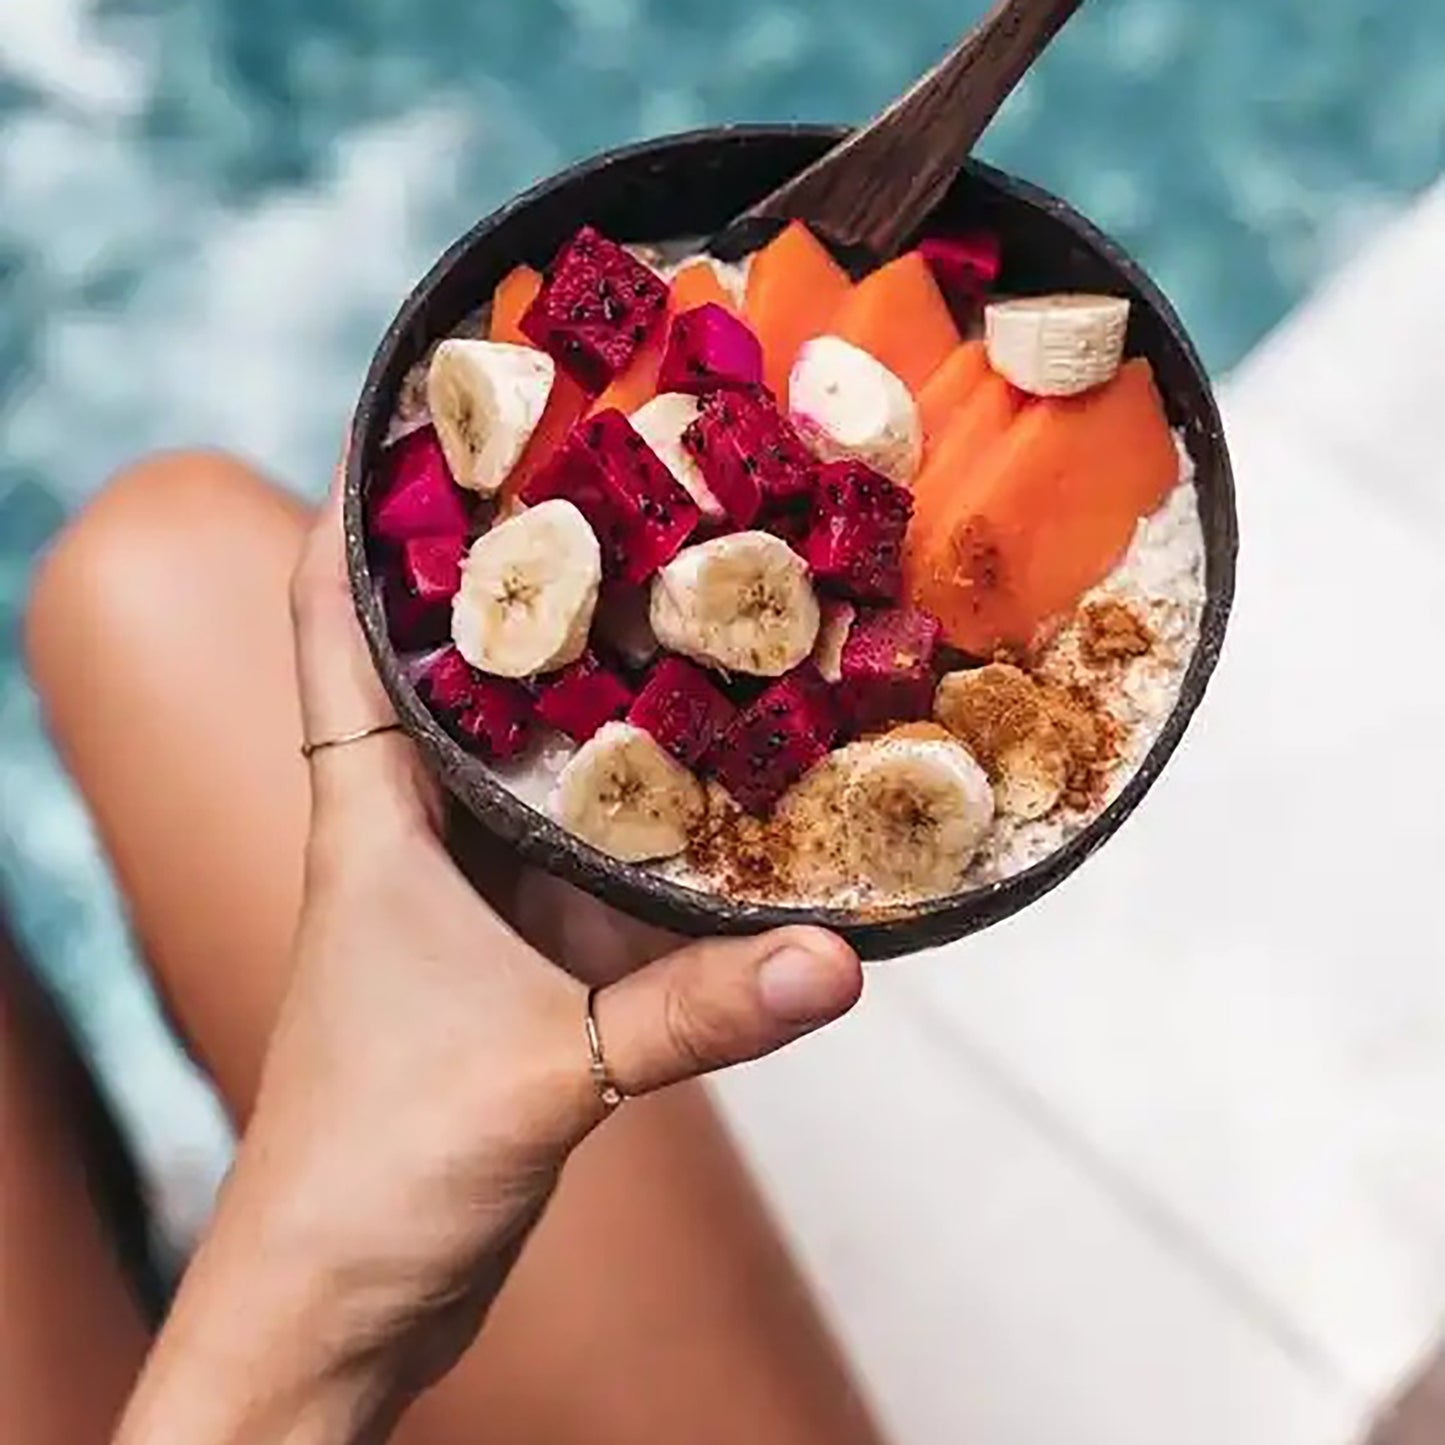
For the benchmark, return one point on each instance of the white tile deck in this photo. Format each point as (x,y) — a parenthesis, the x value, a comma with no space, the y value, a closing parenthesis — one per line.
(1146,1164)
(989,1289)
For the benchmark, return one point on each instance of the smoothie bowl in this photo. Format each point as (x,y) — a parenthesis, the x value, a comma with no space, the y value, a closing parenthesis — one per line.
(764,591)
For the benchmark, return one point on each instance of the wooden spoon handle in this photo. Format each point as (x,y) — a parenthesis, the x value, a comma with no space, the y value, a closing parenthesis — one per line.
(879,186)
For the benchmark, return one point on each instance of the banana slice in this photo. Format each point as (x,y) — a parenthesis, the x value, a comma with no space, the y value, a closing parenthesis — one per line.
(627,797)
(486,399)
(1057,345)
(742,603)
(1002,715)
(914,812)
(849,406)
(661,424)
(529,589)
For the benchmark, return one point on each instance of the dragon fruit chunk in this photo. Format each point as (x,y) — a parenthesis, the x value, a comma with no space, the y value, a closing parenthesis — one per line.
(787,731)
(419,498)
(855,546)
(447,684)
(965,267)
(431,567)
(641,513)
(419,595)
(580,699)
(412,623)
(596,309)
(682,710)
(709,349)
(751,458)
(888,669)
(498,722)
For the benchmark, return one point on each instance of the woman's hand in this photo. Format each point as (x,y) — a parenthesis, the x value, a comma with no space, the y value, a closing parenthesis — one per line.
(426,1083)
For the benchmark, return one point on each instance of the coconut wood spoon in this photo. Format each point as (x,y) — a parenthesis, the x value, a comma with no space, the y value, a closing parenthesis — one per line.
(874,191)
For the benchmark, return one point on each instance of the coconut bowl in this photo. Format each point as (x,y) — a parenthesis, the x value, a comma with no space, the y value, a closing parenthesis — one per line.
(693,185)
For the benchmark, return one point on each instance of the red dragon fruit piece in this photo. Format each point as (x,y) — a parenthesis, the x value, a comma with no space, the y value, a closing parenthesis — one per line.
(751,457)
(639,510)
(888,669)
(498,722)
(855,546)
(419,596)
(431,567)
(596,309)
(682,710)
(770,745)
(965,267)
(419,498)
(412,623)
(580,699)
(709,349)
(447,683)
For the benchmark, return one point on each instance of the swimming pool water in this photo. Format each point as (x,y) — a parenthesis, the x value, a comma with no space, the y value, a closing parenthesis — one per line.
(210,208)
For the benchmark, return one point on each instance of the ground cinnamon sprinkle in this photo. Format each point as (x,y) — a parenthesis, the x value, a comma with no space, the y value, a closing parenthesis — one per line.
(1051,740)
(1093,738)
(999,710)
(749,857)
(1109,632)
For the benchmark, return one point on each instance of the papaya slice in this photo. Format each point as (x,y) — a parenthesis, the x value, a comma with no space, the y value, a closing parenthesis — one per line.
(1048,513)
(956,455)
(697,284)
(794,289)
(637,385)
(948,390)
(511,302)
(567,402)
(566,406)
(899,316)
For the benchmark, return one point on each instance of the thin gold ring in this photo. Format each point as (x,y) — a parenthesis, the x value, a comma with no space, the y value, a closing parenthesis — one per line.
(612,1097)
(309,750)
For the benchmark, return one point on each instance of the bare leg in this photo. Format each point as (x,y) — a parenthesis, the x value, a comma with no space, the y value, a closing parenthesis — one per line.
(656,1301)
(71,1336)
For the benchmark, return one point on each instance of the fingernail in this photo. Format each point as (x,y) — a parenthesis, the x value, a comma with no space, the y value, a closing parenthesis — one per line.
(799,987)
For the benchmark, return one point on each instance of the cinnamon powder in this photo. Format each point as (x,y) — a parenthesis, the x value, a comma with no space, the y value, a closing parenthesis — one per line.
(1111,632)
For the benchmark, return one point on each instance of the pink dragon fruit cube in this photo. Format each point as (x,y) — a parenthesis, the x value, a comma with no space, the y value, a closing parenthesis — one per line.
(638,509)
(710,349)
(447,683)
(581,698)
(855,545)
(773,742)
(682,710)
(418,497)
(498,721)
(596,309)
(750,456)
(419,596)
(888,669)
(965,267)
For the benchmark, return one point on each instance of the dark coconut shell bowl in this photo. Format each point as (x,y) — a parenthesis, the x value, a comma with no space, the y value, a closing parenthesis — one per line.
(693,185)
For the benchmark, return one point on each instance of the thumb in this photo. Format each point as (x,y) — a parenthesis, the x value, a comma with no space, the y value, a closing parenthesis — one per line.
(723,1002)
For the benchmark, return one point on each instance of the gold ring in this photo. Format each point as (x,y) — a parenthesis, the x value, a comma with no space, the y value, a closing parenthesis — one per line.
(309,750)
(612,1097)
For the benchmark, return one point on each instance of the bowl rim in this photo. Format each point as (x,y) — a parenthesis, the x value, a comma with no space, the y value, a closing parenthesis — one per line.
(633,887)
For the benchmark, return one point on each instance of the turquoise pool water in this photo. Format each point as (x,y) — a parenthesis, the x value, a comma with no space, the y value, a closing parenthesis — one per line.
(209,209)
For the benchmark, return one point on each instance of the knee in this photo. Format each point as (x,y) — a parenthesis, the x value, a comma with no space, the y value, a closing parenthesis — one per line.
(149,539)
